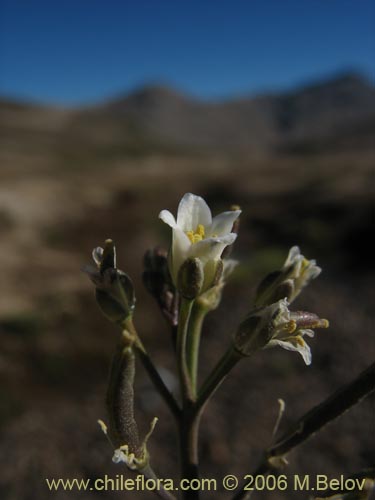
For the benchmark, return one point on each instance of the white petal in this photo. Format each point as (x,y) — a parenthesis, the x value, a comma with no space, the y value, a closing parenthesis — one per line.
(312,271)
(119,456)
(97,255)
(304,349)
(283,313)
(293,256)
(309,333)
(193,210)
(168,218)
(211,248)
(223,223)
(180,252)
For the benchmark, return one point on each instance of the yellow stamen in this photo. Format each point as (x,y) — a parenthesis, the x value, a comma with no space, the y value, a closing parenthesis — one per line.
(200,230)
(197,235)
(290,326)
(190,235)
(299,340)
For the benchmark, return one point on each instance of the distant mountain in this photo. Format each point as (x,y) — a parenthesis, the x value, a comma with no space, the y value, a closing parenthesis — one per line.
(335,113)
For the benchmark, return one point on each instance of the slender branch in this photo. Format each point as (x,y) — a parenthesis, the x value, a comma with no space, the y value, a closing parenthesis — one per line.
(149,473)
(217,376)
(152,371)
(189,431)
(313,421)
(197,316)
(182,332)
(331,408)
(157,380)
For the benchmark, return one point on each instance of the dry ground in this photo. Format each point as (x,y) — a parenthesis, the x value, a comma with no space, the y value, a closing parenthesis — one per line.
(56,346)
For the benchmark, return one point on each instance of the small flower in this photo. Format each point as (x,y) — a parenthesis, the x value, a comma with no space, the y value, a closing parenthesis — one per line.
(289,281)
(134,461)
(197,235)
(275,325)
(291,327)
(300,270)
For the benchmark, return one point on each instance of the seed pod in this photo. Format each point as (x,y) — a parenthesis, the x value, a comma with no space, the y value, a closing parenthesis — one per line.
(120,401)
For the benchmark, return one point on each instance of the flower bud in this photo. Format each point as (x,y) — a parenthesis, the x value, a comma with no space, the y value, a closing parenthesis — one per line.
(288,282)
(211,299)
(256,330)
(114,289)
(115,296)
(156,277)
(190,278)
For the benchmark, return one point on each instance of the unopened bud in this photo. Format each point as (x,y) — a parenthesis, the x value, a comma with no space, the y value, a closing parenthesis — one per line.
(115,296)
(190,278)
(156,277)
(114,289)
(256,330)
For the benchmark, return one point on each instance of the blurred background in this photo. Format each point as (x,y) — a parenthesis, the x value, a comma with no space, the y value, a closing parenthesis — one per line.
(109,113)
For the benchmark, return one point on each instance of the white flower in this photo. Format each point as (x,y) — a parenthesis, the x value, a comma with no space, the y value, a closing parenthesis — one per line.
(300,270)
(286,334)
(291,327)
(197,235)
(289,281)
(122,453)
(275,325)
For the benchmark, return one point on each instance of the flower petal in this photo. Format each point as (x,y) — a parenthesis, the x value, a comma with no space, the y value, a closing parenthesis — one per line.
(168,218)
(308,332)
(293,256)
(302,348)
(223,223)
(211,248)
(97,255)
(193,210)
(180,251)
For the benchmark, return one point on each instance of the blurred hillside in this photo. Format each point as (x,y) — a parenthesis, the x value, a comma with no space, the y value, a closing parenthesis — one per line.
(300,165)
(325,116)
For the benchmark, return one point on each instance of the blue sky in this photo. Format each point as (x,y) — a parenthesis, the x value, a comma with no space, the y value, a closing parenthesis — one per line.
(83,51)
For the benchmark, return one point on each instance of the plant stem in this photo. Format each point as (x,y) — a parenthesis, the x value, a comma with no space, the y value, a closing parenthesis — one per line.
(152,372)
(313,421)
(217,376)
(158,381)
(197,316)
(149,473)
(182,332)
(188,434)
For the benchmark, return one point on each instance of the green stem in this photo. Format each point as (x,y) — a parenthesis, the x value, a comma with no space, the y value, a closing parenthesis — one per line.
(198,314)
(182,333)
(217,376)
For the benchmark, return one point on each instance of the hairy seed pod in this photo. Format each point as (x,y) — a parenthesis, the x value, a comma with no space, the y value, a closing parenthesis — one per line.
(120,400)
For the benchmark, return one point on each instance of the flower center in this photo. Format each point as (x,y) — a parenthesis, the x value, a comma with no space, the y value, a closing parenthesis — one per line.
(197,235)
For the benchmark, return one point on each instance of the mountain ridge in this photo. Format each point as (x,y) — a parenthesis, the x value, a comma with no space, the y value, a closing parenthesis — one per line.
(311,117)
